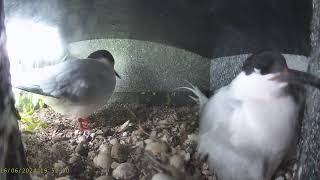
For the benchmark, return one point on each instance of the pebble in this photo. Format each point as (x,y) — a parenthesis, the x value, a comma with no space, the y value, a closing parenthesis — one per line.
(105,148)
(99,132)
(59,167)
(118,152)
(91,154)
(153,134)
(162,176)
(124,134)
(177,161)
(104,178)
(114,141)
(114,165)
(148,141)
(280,178)
(74,159)
(140,144)
(82,139)
(157,148)
(288,175)
(76,132)
(82,149)
(103,160)
(124,171)
(165,138)
(92,135)
(187,157)
(193,138)
(115,150)
(60,128)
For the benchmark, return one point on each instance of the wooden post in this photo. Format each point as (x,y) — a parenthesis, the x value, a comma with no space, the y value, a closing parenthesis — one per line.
(11,150)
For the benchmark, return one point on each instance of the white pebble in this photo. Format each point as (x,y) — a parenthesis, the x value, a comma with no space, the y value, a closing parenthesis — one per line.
(162,176)
(124,171)
(103,160)
(156,147)
(280,178)
(177,161)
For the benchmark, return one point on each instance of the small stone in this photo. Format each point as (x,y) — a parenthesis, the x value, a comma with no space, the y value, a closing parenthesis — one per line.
(177,161)
(288,175)
(114,141)
(165,138)
(114,165)
(157,147)
(74,159)
(124,134)
(124,171)
(59,167)
(148,141)
(82,139)
(187,157)
(105,148)
(104,178)
(99,132)
(118,152)
(280,178)
(140,144)
(115,150)
(193,138)
(60,127)
(163,122)
(92,135)
(91,154)
(162,176)
(103,160)
(82,149)
(153,134)
(76,132)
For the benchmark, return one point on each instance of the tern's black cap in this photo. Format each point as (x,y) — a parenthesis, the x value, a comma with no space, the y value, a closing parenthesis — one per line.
(102,54)
(265,61)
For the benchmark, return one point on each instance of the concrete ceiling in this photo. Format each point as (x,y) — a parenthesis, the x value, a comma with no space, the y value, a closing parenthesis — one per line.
(210,28)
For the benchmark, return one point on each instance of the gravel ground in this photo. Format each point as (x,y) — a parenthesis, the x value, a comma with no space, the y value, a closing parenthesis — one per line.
(126,142)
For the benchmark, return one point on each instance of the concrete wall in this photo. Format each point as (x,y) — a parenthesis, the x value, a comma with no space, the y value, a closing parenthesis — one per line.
(150,72)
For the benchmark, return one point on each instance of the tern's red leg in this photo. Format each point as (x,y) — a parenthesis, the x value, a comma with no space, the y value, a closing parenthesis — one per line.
(84,124)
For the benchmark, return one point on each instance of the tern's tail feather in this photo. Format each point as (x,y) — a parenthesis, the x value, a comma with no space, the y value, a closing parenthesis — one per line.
(34,89)
(200,98)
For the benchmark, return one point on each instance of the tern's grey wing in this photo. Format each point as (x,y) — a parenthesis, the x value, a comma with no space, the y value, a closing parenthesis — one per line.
(81,81)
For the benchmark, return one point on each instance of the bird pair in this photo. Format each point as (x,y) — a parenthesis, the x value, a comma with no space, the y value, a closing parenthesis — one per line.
(247,128)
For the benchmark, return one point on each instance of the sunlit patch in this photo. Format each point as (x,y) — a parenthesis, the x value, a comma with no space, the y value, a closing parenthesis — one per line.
(33,44)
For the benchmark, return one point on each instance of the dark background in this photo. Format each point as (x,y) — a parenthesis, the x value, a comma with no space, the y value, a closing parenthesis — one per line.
(211,28)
